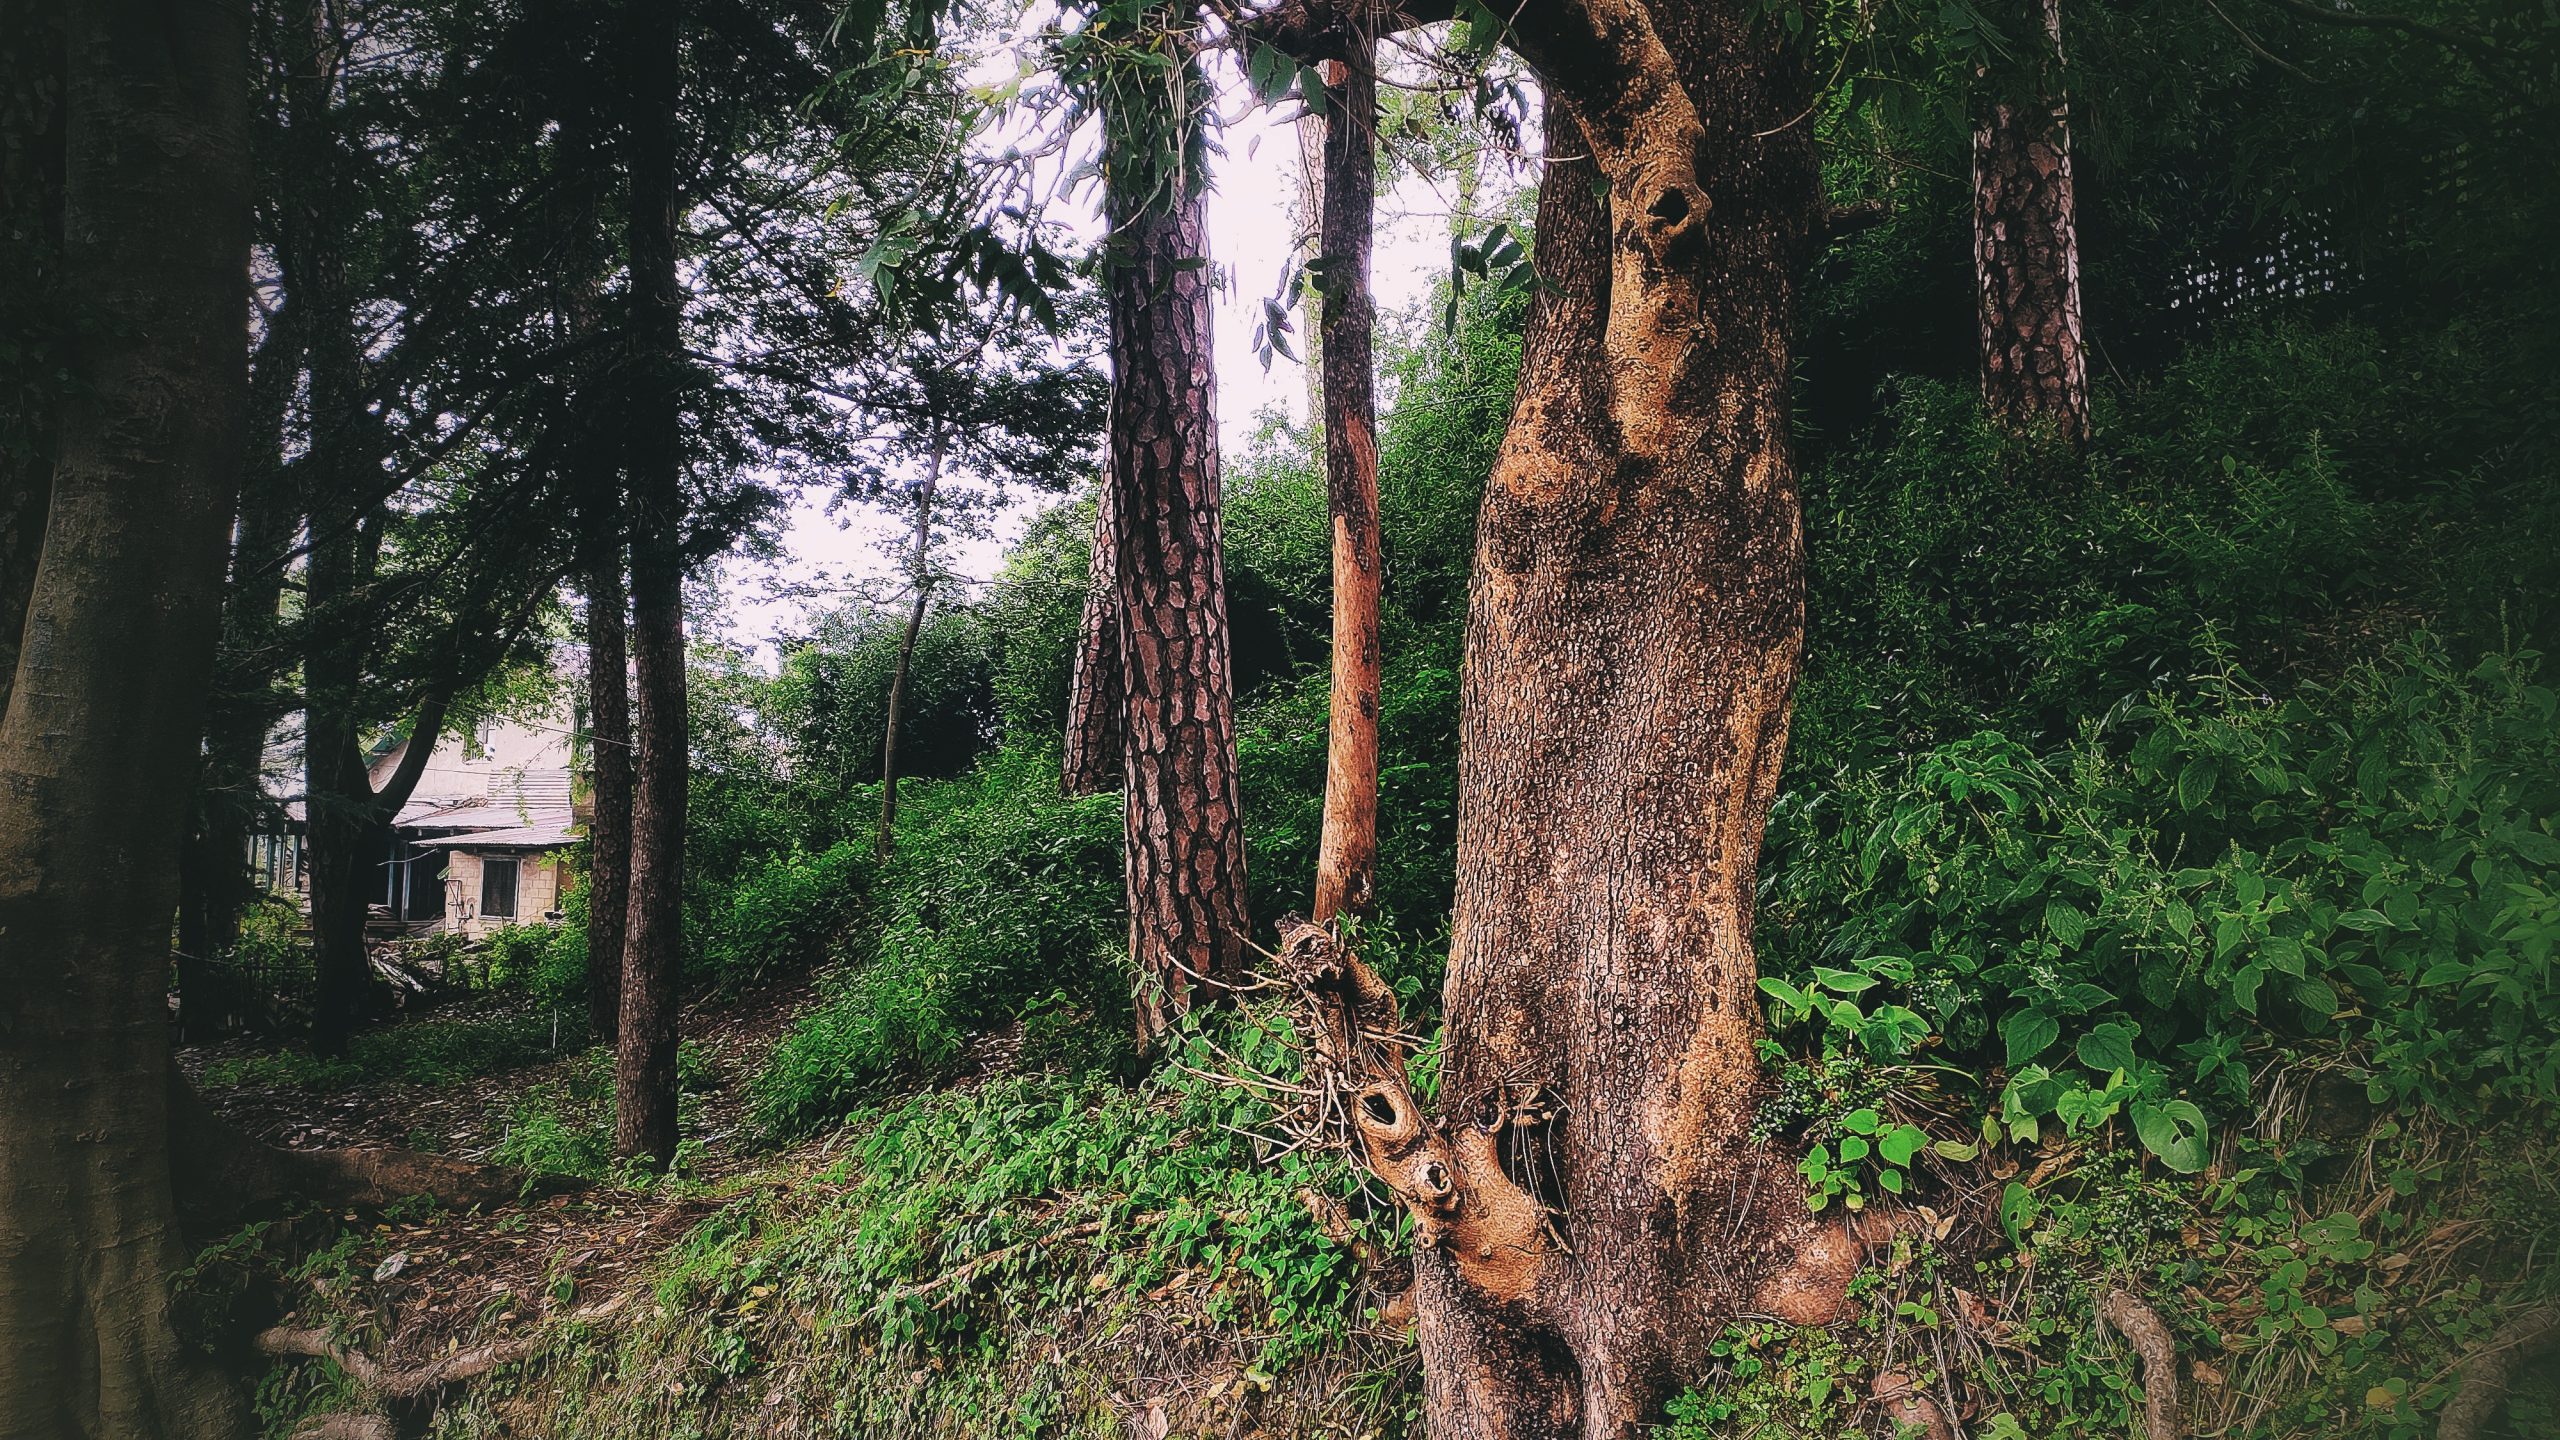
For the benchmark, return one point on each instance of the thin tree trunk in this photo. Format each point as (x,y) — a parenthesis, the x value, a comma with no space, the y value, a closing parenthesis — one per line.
(1097,696)
(1311,129)
(98,747)
(1347,849)
(2026,250)
(1184,830)
(609,745)
(922,577)
(645,1068)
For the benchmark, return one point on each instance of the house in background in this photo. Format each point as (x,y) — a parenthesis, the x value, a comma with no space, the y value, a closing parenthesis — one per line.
(482,844)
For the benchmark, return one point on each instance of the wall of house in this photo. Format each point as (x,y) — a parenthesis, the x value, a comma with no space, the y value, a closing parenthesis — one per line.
(467,765)
(538,881)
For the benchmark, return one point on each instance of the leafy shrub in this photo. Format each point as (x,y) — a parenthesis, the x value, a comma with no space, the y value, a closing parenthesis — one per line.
(1001,892)
(546,961)
(783,915)
(2119,926)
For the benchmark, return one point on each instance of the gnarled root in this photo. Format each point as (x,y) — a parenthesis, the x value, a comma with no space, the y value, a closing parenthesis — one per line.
(1449,1176)
(2488,1371)
(347,1427)
(371,1376)
(2141,1325)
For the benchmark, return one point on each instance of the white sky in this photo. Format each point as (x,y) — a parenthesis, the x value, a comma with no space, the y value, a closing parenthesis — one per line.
(1251,227)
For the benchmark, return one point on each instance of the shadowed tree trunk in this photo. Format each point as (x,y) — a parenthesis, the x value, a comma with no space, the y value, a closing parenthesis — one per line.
(1184,831)
(2026,247)
(1347,850)
(921,576)
(98,746)
(645,1069)
(1096,706)
(31,161)
(609,743)
(1591,1209)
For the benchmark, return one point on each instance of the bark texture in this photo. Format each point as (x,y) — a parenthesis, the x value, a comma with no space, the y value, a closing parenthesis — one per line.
(98,747)
(31,159)
(2026,248)
(1095,692)
(645,1061)
(1635,620)
(1184,817)
(1347,848)
(609,741)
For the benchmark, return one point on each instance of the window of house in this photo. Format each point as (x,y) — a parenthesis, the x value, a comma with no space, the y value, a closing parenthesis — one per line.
(498,887)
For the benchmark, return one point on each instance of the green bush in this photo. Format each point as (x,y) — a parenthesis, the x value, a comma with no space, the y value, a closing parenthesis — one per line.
(1001,892)
(784,915)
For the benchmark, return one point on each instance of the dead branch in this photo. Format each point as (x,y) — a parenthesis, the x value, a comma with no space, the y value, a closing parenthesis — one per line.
(347,1427)
(959,1276)
(2489,1369)
(1449,1176)
(2142,1327)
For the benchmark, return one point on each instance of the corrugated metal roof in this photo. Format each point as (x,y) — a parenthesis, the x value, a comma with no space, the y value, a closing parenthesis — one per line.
(522,837)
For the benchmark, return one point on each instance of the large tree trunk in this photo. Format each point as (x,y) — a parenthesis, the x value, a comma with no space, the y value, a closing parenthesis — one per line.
(1096,699)
(609,746)
(1347,850)
(921,576)
(1591,1208)
(98,747)
(645,1068)
(1183,811)
(2026,247)
(31,161)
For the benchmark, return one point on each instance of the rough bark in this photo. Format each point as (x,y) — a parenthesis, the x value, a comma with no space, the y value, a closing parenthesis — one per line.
(645,1062)
(2139,1324)
(2026,247)
(349,825)
(31,161)
(920,575)
(1635,622)
(98,748)
(2489,1370)
(1095,692)
(1347,848)
(1183,811)
(609,745)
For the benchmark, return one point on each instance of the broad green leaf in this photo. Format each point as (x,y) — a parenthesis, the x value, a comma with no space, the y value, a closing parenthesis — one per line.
(2027,1033)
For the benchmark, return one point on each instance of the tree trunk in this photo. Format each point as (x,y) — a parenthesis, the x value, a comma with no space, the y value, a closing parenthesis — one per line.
(2026,250)
(31,161)
(922,577)
(1591,1207)
(1184,836)
(1347,850)
(645,1068)
(98,748)
(1097,703)
(609,745)
(1311,129)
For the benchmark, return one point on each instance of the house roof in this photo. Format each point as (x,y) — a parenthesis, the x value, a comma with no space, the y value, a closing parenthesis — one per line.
(521,837)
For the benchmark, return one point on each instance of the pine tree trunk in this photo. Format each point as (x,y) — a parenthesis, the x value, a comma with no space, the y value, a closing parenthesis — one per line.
(1347,849)
(921,576)
(1184,837)
(609,745)
(1594,1210)
(645,1069)
(2026,250)
(98,747)
(1096,695)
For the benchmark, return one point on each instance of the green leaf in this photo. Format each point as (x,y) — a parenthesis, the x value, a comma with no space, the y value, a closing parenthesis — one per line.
(1853,1148)
(2066,922)
(2027,1033)
(2195,781)
(2108,1048)
(1957,1150)
(2018,1210)
(2174,1131)
(1898,1147)
(1845,982)
(1861,1122)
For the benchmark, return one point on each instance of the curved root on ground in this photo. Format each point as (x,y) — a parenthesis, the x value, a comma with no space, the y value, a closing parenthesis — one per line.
(2139,1324)
(2486,1374)
(1909,1407)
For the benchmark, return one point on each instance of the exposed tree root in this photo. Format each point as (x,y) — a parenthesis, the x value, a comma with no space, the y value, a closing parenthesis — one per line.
(2141,1325)
(2489,1370)
(1909,1407)
(375,1379)
(347,1427)
(223,1173)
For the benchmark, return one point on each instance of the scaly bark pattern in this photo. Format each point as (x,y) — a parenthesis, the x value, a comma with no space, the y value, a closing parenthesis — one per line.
(1347,848)
(1095,690)
(98,747)
(2026,250)
(1184,816)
